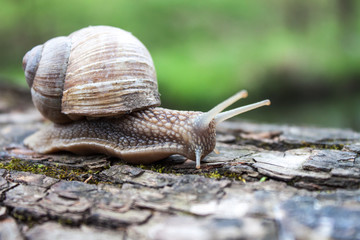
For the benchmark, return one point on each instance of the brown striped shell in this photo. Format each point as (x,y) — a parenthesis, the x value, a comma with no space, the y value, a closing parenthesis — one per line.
(95,72)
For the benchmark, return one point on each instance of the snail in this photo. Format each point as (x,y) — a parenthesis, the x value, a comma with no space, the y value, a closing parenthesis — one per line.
(98,86)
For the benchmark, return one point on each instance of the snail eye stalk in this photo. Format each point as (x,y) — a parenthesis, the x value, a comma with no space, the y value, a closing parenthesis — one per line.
(231,113)
(216,113)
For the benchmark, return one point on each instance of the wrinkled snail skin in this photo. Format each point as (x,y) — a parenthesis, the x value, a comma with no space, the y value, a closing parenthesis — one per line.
(140,137)
(98,86)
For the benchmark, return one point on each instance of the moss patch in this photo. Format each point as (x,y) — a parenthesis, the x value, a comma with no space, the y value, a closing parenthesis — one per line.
(287,146)
(56,171)
(159,168)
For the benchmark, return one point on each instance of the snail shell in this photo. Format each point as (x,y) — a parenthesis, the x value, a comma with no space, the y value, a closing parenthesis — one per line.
(95,72)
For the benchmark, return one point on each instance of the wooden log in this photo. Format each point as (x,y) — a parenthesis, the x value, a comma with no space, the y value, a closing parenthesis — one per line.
(268,182)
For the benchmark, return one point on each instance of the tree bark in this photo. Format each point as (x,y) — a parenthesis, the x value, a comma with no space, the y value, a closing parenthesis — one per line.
(268,182)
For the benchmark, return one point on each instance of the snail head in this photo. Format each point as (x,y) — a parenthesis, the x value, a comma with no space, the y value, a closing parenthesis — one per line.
(205,124)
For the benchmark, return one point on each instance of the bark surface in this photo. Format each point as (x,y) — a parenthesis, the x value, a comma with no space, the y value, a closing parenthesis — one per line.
(268,182)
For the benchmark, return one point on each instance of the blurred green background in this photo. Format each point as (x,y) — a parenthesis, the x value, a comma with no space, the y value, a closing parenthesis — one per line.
(303,55)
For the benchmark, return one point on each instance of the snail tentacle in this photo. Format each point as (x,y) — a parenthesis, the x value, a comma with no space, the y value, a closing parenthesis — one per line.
(216,113)
(198,153)
(204,120)
(231,113)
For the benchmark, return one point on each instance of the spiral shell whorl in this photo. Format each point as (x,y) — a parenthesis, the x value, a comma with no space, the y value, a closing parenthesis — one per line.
(49,73)
(31,62)
(95,72)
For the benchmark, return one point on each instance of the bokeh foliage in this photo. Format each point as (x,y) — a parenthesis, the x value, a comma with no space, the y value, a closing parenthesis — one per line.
(303,55)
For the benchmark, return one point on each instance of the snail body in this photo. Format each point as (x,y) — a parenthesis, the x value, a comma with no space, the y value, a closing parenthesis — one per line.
(98,86)
(140,137)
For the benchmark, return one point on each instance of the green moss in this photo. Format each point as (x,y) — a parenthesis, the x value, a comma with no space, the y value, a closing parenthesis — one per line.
(66,221)
(55,171)
(159,168)
(325,146)
(336,147)
(142,166)
(263,179)
(19,217)
(302,144)
(234,176)
(215,175)
(27,219)
(219,175)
